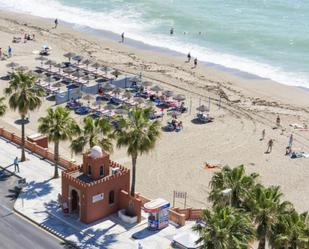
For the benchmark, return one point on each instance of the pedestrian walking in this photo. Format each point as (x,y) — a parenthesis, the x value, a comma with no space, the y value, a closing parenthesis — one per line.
(122,37)
(139,246)
(10,51)
(278,121)
(291,141)
(189,57)
(270,145)
(263,134)
(195,62)
(56,23)
(16,165)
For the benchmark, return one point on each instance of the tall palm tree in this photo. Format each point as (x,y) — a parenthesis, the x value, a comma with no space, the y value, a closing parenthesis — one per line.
(24,96)
(225,228)
(235,179)
(2,107)
(139,134)
(59,126)
(266,207)
(291,232)
(94,132)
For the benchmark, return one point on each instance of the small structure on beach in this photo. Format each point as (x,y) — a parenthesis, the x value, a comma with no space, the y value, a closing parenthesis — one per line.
(98,188)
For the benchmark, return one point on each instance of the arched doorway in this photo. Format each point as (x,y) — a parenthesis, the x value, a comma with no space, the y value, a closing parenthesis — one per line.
(74,201)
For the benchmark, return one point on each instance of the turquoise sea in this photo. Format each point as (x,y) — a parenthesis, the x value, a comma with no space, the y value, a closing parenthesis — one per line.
(268,38)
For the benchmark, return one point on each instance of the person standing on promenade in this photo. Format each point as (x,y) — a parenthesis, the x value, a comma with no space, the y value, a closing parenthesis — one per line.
(56,23)
(270,146)
(16,166)
(122,37)
(189,57)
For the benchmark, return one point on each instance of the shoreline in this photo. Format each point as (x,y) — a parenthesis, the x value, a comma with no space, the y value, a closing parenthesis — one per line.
(136,44)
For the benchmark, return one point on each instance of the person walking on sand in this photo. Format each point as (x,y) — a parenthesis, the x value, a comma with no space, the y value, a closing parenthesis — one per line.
(291,141)
(278,121)
(16,166)
(10,51)
(122,37)
(195,62)
(270,145)
(189,57)
(263,134)
(56,23)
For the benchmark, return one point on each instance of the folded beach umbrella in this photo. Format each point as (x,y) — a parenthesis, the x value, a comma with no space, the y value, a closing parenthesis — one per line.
(78,58)
(105,69)
(41,58)
(127,95)
(78,74)
(88,97)
(96,65)
(12,65)
(69,55)
(88,77)
(202,108)
(157,88)
(87,62)
(108,87)
(50,63)
(69,70)
(50,79)
(146,83)
(139,100)
(58,84)
(22,68)
(121,111)
(168,93)
(109,107)
(180,97)
(117,90)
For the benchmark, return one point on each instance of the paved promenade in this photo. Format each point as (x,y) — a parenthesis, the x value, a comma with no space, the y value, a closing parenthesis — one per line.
(38,201)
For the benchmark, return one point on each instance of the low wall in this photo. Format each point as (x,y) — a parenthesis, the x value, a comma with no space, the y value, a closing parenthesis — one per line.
(125,199)
(43,152)
(179,216)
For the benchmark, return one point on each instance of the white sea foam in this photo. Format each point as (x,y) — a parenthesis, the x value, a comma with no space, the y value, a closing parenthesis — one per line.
(129,21)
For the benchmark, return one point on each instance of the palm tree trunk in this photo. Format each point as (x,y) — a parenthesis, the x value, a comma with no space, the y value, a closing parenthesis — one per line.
(23,156)
(56,158)
(262,243)
(134,159)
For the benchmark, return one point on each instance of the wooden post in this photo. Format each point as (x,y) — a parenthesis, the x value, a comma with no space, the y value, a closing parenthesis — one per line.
(185,204)
(174,198)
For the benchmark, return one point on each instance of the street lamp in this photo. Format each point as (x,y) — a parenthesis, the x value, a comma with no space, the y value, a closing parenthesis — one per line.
(228,192)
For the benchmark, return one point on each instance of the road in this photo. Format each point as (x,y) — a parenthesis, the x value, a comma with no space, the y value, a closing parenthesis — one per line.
(15,231)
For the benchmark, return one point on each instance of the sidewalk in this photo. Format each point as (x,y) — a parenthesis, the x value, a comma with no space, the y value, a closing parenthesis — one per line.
(38,202)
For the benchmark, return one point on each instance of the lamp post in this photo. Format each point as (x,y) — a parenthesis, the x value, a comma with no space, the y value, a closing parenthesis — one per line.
(228,192)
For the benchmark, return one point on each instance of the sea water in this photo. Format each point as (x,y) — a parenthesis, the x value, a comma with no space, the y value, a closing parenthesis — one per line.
(268,38)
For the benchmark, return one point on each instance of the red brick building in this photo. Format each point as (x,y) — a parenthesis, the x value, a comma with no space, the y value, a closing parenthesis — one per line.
(98,188)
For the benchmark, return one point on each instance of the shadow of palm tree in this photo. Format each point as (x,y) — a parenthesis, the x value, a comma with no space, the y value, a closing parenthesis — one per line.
(37,189)
(13,193)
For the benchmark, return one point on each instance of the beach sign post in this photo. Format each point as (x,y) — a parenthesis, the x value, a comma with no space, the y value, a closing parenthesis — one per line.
(180,195)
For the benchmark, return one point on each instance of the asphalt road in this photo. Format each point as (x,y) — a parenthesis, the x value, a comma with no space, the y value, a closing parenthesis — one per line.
(15,231)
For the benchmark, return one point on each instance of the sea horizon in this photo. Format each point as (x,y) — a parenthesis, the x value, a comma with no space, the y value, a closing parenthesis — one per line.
(265,54)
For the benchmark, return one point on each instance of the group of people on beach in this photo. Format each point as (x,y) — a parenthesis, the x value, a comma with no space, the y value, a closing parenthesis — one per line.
(271,141)
(189,59)
(9,52)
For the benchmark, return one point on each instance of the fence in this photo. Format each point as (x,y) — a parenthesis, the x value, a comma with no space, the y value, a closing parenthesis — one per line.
(43,152)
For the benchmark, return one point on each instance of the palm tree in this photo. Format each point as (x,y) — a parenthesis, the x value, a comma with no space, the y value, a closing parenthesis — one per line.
(235,179)
(58,125)
(291,232)
(139,134)
(24,96)
(266,207)
(225,228)
(2,107)
(95,132)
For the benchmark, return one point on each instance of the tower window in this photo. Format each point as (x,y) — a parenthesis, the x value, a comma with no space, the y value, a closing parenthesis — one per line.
(89,170)
(101,171)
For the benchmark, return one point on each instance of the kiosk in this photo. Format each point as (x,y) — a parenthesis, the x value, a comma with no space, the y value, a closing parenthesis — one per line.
(158,213)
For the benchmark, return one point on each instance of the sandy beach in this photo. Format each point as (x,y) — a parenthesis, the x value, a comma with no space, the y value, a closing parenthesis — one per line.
(247,107)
